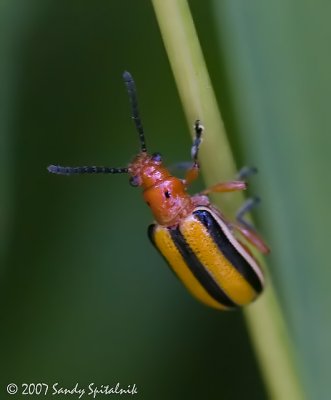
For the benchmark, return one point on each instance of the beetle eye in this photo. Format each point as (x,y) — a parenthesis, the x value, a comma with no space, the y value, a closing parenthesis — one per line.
(156,157)
(134,181)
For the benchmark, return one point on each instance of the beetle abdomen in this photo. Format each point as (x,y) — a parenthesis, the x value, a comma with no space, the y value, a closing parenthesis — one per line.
(209,260)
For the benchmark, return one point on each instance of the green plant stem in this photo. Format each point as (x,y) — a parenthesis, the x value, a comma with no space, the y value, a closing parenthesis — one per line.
(264,318)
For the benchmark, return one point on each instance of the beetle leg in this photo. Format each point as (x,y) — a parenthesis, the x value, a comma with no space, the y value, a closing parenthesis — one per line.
(232,186)
(198,128)
(246,229)
(193,172)
(245,172)
(223,187)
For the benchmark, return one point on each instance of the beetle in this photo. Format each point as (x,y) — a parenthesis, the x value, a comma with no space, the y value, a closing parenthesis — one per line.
(199,244)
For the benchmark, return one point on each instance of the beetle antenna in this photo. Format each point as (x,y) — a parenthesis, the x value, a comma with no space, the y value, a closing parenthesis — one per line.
(60,170)
(131,88)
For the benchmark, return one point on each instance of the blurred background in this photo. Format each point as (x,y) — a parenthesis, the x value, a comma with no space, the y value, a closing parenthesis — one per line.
(84,296)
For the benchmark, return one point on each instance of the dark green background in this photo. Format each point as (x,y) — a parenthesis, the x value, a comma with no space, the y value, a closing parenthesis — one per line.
(84,296)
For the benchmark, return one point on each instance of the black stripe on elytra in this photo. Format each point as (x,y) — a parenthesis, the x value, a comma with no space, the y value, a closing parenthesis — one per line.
(198,270)
(150,233)
(194,266)
(229,251)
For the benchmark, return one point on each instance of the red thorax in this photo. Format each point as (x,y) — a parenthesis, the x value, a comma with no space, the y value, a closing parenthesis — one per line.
(165,194)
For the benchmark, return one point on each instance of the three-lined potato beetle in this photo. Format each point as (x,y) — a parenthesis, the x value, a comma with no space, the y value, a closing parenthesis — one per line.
(194,238)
